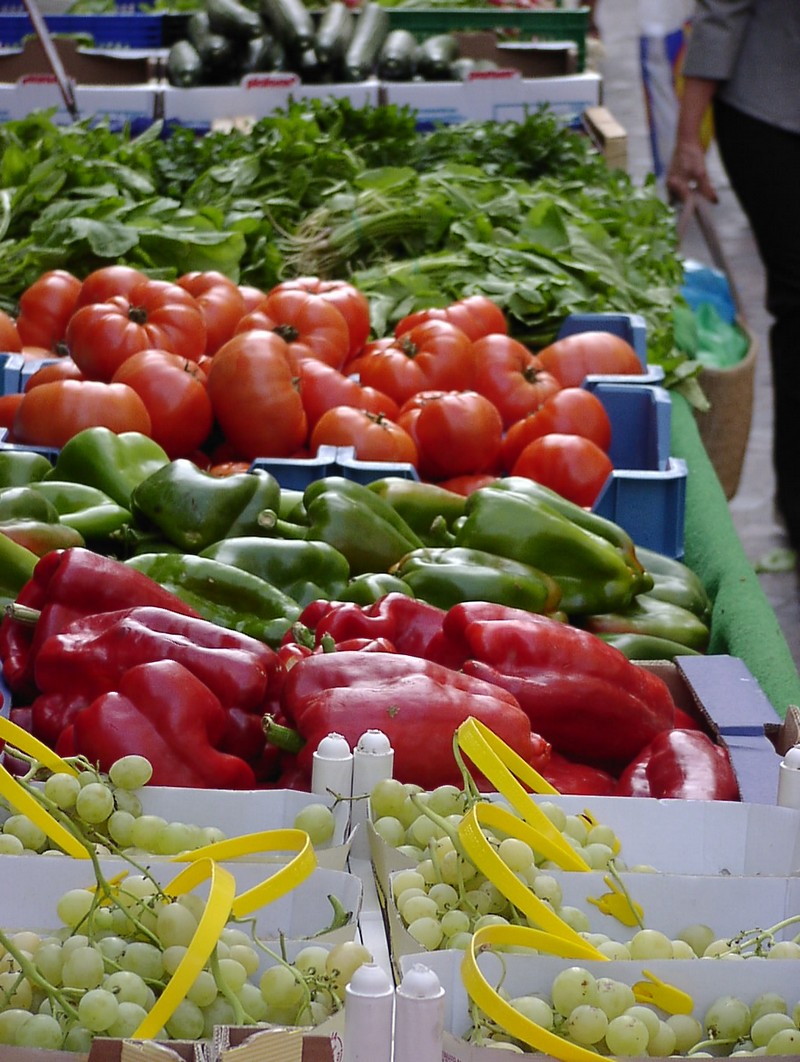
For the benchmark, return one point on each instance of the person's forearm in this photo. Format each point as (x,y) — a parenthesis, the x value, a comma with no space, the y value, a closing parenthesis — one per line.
(696,96)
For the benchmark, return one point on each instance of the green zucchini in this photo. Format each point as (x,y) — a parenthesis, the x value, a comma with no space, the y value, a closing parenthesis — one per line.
(215,51)
(263,55)
(291,22)
(234,19)
(371,30)
(184,65)
(334,34)
(398,56)
(435,57)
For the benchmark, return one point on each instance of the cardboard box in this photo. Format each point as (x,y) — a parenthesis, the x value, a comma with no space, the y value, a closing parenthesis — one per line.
(237,813)
(258,95)
(530,58)
(297,916)
(131,105)
(496,95)
(87,66)
(729,905)
(526,975)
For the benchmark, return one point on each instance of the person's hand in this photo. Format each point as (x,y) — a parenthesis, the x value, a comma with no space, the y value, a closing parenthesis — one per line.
(687,172)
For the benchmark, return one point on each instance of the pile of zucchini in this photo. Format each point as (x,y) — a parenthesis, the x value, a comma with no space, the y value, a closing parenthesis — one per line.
(227,39)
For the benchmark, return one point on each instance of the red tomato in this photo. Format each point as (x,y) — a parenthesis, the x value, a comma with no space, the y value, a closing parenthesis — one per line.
(228,468)
(373,437)
(154,313)
(51,414)
(252,296)
(511,377)
(10,343)
(570,411)
(456,432)
(221,304)
(175,394)
(63,369)
(574,467)
(304,320)
(353,366)
(9,404)
(575,357)
(254,396)
(348,300)
(475,315)
(465,485)
(434,355)
(45,308)
(322,388)
(108,281)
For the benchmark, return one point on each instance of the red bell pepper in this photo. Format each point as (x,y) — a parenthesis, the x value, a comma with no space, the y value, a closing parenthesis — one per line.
(408,623)
(418,704)
(92,653)
(583,696)
(162,711)
(577,778)
(680,765)
(67,584)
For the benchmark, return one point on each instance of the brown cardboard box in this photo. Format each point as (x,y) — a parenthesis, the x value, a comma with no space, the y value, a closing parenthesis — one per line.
(89,66)
(531,58)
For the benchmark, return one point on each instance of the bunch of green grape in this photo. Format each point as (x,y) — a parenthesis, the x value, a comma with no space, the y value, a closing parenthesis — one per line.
(602,1015)
(101,971)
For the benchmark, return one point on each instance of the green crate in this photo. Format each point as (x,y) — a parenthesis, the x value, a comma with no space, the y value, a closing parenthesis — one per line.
(557,24)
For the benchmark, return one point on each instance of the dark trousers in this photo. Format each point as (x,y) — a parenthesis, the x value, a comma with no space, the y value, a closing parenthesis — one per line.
(763,164)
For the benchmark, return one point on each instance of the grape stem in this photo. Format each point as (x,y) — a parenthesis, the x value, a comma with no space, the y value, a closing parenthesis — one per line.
(703,1045)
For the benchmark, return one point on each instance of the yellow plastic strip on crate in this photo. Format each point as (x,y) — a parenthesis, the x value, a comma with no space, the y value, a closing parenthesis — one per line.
(499,1010)
(618,904)
(486,859)
(24,802)
(278,884)
(502,767)
(214,919)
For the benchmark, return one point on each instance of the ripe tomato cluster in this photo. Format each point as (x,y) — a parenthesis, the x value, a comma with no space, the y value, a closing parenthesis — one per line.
(224,373)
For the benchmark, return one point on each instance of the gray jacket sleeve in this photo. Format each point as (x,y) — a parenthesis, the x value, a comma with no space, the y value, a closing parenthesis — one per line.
(718,29)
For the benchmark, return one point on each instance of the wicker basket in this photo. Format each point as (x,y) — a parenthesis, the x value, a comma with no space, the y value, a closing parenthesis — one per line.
(725,427)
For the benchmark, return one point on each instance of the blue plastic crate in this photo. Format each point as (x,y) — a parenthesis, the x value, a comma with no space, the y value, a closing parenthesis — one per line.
(10,373)
(133,30)
(631,327)
(641,421)
(650,506)
(47,451)
(298,473)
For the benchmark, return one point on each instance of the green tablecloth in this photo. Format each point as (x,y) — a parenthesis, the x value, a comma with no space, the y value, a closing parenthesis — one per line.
(744,623)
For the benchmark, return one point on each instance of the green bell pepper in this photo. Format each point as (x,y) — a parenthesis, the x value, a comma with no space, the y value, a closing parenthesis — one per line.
(445,576)
(597,525)
(370,587)
(649,615)
(647,646)
(673,581)
(23,503)
(114,463)
(303,570)
(32,521)
(16,568)
(222,593)
(194,509)
(421,505)
(18,468)
(84,508)
(592,573)
(353,519)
